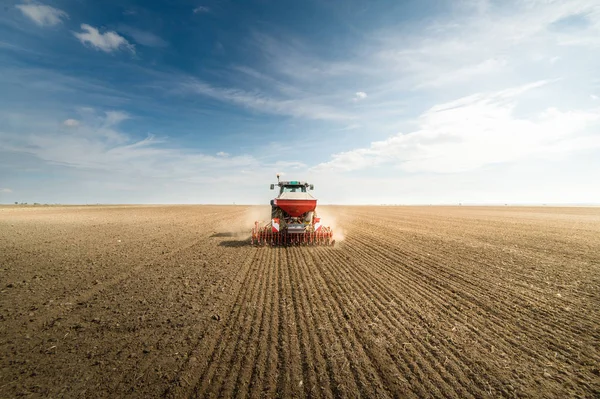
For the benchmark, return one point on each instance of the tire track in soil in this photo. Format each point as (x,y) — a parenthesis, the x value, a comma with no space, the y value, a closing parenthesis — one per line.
(51,315)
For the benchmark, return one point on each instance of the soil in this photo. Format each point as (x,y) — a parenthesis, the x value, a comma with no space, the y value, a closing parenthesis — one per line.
(172,301)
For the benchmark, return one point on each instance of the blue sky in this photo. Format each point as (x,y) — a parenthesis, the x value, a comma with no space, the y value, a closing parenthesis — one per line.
(432,102)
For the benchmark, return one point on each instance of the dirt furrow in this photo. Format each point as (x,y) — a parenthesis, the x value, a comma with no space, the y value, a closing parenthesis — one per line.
(197,360)
(338,358)
(314,366)
(499,341)
(368,362)
(433,316)
(233,335)
(366,374)
(374,309)
(256,351)
(496,314)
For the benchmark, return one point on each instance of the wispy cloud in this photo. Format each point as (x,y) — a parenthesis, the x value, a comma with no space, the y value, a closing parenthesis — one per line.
(43,15)
(115,117)
(108,41)
(97,144)
(264,102)
(360,95)
(475,131)
(6,190)
(201,9)
(143,37)
(71,122)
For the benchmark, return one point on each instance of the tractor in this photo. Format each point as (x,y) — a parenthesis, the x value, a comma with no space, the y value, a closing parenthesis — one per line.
(294,219)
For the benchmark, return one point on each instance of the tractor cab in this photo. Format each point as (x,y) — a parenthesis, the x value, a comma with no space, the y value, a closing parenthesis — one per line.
(292,188)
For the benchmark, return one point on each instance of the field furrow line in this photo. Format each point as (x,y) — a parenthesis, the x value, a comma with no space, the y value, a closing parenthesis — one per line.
(232,337)
(442,255)
(373,305)
(247,376)
(198,359)
(378,289)
(364,372)
(373,360)
(324,318)
(248,335)
(394,237)
(498,339)
(257,366)
(267,372)
(313,361)
(410,271)
(428,270)
(289,359)
(495,315)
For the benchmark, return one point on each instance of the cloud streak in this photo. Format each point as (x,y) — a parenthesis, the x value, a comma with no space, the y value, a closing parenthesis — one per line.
(108,41)
(143,37)
(43,15)
(475,131)
(297,107)
(201,10)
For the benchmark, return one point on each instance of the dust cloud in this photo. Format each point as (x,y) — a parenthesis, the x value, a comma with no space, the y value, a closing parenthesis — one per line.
(333,218)
(241,226)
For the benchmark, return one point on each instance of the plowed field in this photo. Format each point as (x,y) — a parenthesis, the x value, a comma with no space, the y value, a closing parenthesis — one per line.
(464,302)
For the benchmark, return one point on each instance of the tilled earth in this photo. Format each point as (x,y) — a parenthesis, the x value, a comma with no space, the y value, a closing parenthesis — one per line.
(171,301)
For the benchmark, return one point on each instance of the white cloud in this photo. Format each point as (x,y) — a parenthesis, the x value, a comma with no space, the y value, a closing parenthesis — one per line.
(43,15)
(475,131)
(97,147)
(201,9)
(594,97)
(108,41)
(298,107)
(6,190)
(360,95)
(71,123)
(115,117)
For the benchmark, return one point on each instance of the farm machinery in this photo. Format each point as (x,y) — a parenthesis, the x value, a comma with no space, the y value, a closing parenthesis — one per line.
(294,219)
